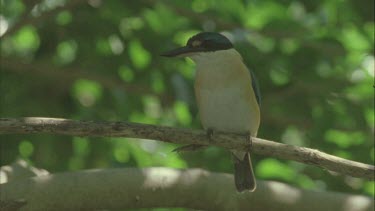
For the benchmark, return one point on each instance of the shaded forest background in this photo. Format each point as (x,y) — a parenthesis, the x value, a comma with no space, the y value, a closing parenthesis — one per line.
(99,60)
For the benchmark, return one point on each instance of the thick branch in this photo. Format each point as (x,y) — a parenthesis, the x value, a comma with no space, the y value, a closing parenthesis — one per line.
(165,187)
(31,125)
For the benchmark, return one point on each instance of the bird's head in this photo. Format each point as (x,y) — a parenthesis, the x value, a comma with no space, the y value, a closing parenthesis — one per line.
(200,45)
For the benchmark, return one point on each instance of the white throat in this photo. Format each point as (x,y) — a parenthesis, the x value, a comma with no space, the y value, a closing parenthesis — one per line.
(216,57)
(216,65)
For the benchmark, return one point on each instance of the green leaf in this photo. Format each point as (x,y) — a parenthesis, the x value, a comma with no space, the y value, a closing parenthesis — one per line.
(354,40)
(139,56)
(66,52)
(305,182)
(289,46)
(200,5)
(293,136)
(162,20)
(152,107)
(26,148)
(12,8)
(64,18)
(181,37)
(81,146)
(157,82)
(87,92)
(103,47)
(344,139)
(272,168)
(279,75)
(182,113)
(126,73)
(121,151)
(130,24)
(26,40)
(369,187)
(260,13)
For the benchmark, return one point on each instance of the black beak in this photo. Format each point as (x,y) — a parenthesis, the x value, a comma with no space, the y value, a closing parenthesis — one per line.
(183,51)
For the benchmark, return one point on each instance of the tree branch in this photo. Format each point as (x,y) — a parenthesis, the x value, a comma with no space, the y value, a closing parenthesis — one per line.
(166,187)
(30,125)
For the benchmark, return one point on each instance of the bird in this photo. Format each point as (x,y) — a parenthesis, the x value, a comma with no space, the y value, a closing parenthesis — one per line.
(227,96)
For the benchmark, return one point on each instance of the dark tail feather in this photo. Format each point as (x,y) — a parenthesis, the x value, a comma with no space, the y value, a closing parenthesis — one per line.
(244,174)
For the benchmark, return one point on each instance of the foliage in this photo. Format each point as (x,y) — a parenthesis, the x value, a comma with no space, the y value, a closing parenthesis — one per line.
(100,61)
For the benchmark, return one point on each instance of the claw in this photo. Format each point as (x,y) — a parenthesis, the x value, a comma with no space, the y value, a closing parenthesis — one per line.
(250,140)
(210,133)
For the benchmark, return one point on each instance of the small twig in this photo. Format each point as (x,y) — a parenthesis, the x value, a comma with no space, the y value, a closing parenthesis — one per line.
(30,125)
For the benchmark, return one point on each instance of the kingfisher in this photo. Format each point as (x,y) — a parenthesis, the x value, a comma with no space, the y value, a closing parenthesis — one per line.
(227,96)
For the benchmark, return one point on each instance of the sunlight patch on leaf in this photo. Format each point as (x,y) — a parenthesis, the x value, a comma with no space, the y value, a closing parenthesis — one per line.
(262,12)
(288,45)
(103,47)
(272,168)
(76,163)
(181,37)
(369,187)
(305,182)
(26,40)
(344,139)
(342,154)
(293,136)
(151,106)
(64,18)
(126,73)
(66,52)
(121,150)
(130,24)
(142,118)
(116,44)
(199,5)
(87,92)
(25,148)
(81,146)
(279,75)
(370,117)
(157,82)
(182,113)
(139,56)
(142,158)
(353,39)
(163,20)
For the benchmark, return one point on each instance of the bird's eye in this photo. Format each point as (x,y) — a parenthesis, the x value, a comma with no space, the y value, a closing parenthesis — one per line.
(196,43)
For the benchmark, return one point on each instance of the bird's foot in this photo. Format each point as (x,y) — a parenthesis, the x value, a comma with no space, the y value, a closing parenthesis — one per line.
(250,140)
(209,134)
(195,147)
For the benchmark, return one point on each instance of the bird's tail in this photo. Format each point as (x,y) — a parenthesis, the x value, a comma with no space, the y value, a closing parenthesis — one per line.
(243,172)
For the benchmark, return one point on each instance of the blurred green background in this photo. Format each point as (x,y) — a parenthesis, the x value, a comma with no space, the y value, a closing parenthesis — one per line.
(99,60)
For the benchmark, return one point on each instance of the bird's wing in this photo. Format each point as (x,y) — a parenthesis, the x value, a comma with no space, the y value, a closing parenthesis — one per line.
(254,84)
